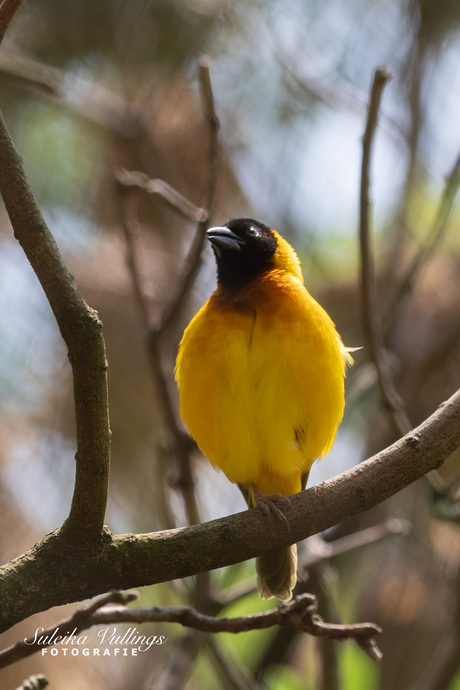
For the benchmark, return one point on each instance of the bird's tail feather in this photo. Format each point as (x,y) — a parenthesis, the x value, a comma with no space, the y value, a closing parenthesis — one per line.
(277,574)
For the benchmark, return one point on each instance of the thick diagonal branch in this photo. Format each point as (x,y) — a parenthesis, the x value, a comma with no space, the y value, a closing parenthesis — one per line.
(8,9)
(81,330)
(133,560)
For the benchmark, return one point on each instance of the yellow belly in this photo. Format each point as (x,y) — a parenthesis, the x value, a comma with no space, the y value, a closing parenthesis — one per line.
(261,384)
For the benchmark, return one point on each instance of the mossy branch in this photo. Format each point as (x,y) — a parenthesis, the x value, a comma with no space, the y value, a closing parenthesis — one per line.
(78,571)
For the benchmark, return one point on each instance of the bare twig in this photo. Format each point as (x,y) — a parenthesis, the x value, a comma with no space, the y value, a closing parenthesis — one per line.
(190,271)
(315,550)
(182,442)
(323,550)
(300,614)
(193,260)
(8,9)
(320,582)
(183,478)
(80,620)
(314,556)
(133,178)
(178,664)
(440,224)
(234,675)
(371,316)
(96,105)
(443,664)
(23,71)
(134,256)
(156,325)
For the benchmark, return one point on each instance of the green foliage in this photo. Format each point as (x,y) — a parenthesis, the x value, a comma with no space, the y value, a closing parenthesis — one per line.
(455,685)
(357,670)
(280,677)
(59,154)
(247,646)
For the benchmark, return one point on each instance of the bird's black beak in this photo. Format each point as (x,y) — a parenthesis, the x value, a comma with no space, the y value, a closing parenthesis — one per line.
(224,238)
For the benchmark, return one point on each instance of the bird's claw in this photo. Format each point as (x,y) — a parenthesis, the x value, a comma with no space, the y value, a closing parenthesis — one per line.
(267,502)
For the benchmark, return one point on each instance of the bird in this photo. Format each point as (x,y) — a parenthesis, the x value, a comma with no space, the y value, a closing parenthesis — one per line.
(260,370)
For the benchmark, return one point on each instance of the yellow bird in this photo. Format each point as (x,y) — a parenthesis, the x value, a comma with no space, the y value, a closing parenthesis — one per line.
(260,371)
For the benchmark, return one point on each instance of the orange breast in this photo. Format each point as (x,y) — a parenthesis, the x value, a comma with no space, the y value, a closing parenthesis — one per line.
(261,373)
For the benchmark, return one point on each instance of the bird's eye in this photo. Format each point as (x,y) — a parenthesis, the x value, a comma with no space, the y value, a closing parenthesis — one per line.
(253,231)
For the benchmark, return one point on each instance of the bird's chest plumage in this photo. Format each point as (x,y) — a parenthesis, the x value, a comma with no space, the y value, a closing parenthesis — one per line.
(267,395)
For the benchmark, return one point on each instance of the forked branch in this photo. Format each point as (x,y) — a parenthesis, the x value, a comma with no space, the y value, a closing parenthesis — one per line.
(300,614)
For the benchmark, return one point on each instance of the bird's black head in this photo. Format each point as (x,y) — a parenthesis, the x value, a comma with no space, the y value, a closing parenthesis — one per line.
(244,248)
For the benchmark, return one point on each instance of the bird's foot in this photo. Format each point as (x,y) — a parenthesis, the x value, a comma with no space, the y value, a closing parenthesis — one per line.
(267,502)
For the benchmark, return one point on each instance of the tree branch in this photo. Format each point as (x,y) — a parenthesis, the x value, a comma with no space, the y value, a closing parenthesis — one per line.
(193,260)
(83,567)
(318,550)
(8,9)
(231,671)
(176,668)
(81,330)
(443,665)
(133,178)
(438,229)
(128,560)
(157,324)
(300,614)
(370,306)
(80,620)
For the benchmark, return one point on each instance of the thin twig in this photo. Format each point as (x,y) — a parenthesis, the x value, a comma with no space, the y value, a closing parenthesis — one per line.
(314,556)
(315,550)
(320,582)
(157,326)
(95,104)
(443,665)
(80,620)
(191,267)
(183,479)
(42,79)
(134,260)
(440,224)
(190,271)
(233,674)
(8,9)
(324,550)
(177,666)
(134,254)
(371,318)
(183,445)
(193,260)
(299,614)
(134,178)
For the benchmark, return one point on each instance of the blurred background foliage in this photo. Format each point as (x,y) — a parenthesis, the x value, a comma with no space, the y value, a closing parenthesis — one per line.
(90,87)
